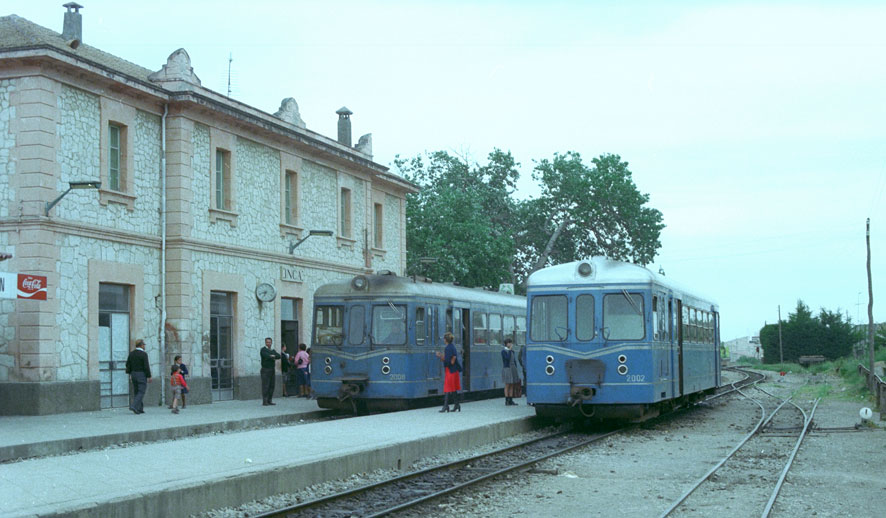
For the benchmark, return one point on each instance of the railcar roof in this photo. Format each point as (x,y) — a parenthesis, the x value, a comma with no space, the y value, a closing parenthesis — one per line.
(605,271)
(395,286)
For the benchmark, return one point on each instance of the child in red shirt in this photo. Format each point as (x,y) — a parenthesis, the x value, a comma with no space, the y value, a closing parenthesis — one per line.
(178,383)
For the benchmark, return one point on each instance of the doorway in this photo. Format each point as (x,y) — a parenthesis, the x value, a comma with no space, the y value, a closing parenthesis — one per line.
(113,344)
(221,338)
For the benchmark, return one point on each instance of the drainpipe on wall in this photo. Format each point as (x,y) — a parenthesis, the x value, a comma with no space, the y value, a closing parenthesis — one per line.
(163,359)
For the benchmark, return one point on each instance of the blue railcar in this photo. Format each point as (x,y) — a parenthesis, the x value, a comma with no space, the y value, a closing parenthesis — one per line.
(613,340)
(375,339)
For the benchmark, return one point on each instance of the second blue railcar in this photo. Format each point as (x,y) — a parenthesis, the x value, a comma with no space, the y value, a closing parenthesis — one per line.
(613,340)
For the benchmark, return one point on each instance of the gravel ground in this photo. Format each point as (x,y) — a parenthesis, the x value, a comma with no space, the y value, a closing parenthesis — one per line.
(642,471)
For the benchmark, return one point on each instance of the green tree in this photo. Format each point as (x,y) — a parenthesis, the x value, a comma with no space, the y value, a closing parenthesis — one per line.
(462,217)
(829,334)
(585,211)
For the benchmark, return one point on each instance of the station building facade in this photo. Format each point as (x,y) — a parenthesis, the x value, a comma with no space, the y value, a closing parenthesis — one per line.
(188,241)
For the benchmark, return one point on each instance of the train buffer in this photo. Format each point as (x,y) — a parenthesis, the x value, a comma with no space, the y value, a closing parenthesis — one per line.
(811,359)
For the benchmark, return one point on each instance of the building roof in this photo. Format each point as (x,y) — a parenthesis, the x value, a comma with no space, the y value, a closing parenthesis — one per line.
(19,33)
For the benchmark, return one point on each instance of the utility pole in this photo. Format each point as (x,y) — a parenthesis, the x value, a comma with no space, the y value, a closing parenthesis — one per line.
(870,308)
(780,351)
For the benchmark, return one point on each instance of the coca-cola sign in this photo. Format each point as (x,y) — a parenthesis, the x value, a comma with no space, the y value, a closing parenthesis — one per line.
(31,287)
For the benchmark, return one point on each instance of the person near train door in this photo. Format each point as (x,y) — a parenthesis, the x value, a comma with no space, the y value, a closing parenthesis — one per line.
(509,375)
(302,361)
(268,373)
(451,370)
(139,369)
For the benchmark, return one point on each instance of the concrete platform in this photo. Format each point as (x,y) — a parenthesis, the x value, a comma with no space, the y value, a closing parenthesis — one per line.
(22,437)
(192,475)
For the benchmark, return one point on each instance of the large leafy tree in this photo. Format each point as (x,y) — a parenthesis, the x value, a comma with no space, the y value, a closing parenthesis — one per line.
(584,211)
(468,219)
(461,219)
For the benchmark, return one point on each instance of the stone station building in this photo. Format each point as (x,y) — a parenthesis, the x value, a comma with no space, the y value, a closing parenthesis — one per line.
(191,231)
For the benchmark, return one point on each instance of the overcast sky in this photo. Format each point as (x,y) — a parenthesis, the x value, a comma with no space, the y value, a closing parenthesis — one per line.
(757,129)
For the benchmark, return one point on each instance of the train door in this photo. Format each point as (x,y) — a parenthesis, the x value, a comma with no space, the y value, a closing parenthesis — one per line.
(466,341)
(679,335)
(715,316)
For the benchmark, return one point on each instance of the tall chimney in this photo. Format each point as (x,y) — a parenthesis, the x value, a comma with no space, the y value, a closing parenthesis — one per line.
(344,126)
(72,31)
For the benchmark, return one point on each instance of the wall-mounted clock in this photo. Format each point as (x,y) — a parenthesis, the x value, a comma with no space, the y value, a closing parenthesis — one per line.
(265,292)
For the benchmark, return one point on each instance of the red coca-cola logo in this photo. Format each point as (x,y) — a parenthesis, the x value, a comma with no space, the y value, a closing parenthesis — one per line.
(31,287)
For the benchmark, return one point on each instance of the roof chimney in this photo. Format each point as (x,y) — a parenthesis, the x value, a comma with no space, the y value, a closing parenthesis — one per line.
(344,126)
(72,31)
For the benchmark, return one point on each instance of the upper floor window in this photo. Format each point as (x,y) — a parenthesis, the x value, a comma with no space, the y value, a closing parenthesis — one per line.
(378,225)
(222,179)
(345,212)
(290,198)
(116,166)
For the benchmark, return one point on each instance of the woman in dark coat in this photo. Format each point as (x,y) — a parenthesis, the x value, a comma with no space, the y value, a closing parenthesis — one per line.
(509,374)
(452,378)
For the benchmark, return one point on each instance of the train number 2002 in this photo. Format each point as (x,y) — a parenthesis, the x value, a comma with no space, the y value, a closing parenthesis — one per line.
(637,377)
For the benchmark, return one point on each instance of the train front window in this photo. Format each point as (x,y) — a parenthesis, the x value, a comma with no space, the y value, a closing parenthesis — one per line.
(389,324)
(328,325)
(584,317)
(623,316)
(356,325)
(547,320)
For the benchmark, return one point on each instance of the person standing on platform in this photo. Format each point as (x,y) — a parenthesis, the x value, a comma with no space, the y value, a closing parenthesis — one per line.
(451,369)
(509,375)
(183,370)
(268,373)
(139,369)
(302,361)
(177,381)
(284,367)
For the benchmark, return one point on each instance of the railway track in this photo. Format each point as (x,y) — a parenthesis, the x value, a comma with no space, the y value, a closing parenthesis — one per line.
(412,489)
(755,456)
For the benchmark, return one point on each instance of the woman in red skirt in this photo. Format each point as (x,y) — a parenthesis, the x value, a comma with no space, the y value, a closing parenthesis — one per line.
(452,378)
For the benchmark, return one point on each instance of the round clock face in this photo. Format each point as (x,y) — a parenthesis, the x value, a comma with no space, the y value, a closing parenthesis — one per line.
(265,292)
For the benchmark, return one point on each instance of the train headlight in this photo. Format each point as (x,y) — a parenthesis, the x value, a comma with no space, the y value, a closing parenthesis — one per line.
(359,282)
(549,370)
(386,360)
(549,359)
(622,358)
(585,269)
(622,369)
(327,360)
(328,369)
(386,369)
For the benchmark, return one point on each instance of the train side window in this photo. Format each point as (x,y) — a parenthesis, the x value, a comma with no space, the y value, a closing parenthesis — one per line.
(520,339)
(495,329)
(457,327)
(420,329)
(479,325)
(355,325)
(547,318)
(623,316)
(685,326)
(328,325)
(508,328)
(584,317)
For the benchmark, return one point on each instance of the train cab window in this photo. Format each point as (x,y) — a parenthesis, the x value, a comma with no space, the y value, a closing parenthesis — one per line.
(623,316)
(656,327)
(584,317)
(479,324)
(420,327)
(520,339)
(328,325)
(547,318)
(356,333)
(495,329)
(389,324)
(659,318)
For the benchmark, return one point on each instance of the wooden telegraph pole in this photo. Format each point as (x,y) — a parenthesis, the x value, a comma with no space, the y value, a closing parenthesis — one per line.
(870,309)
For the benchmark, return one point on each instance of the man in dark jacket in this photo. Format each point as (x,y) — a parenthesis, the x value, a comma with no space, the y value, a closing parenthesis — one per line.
(139,369)
(268,357)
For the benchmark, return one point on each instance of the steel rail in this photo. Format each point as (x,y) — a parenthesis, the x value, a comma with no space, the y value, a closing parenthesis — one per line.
(784,473)
(763,419)
(304,506)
